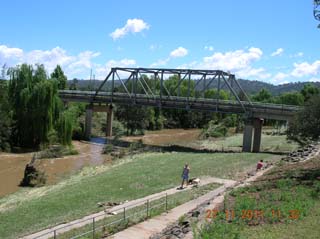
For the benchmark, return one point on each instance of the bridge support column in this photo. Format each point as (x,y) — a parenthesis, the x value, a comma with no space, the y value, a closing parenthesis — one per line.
(257,124)
(247,136)
(109,121)
(88,123)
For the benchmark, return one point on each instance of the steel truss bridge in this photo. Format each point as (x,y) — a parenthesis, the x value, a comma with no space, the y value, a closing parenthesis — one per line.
(130,86)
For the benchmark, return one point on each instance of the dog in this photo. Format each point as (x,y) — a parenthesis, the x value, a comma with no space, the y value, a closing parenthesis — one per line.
(194,181)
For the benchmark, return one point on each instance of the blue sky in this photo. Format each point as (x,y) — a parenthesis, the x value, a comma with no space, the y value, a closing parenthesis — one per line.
(272,41)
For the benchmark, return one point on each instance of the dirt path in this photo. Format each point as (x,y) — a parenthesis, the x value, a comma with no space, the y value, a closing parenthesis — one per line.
(62,228)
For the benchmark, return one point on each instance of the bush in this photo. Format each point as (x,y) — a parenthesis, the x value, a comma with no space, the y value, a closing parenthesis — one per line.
(108,148)
(118,129)
(214,130)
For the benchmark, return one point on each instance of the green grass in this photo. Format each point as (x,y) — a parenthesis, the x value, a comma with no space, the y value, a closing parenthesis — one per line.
(307,228)
(31,210)
(269,143)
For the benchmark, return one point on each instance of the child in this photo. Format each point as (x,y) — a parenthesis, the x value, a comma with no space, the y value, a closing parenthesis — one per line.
(260,165)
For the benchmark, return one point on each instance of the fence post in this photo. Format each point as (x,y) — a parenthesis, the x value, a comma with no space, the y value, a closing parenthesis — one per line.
(147,208)
(93,228)
(54,234)
(124,213)
(166,202)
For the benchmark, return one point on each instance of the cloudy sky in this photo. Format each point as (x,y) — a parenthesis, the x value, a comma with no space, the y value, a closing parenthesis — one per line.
(272,41)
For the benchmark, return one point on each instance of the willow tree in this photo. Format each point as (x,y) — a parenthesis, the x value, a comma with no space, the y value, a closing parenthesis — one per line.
(64,128)
(5,117)
(59,75)
(36,105)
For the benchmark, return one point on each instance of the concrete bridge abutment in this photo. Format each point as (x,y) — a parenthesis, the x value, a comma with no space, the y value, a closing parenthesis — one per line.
(98,108)
(253,126)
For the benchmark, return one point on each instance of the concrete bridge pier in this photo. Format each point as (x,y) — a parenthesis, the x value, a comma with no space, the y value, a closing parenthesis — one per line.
(88,122)
(250,125)
(247,135)
(257,125)
(109,121)
(98,108)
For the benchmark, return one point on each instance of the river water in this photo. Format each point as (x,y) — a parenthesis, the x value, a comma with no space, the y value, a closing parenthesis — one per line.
(12,165)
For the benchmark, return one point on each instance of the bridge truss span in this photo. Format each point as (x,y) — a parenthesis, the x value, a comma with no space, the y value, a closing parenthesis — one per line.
(185,87)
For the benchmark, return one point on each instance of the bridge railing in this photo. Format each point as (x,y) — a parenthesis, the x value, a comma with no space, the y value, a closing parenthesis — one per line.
(102,96)
(111,219)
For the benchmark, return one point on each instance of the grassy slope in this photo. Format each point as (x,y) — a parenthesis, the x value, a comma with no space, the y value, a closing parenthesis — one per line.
(287,187)
(307,228)
(141,176)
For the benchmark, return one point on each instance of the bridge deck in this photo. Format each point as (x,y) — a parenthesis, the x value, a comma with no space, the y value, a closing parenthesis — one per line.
(260,110)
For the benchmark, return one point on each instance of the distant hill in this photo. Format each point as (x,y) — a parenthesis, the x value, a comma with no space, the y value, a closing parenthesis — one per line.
(252,87)
(249,86)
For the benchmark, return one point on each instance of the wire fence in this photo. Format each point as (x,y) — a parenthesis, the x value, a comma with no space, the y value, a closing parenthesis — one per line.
(110,221)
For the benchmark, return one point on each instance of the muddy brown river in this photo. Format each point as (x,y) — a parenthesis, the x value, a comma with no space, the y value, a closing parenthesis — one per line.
(12,165)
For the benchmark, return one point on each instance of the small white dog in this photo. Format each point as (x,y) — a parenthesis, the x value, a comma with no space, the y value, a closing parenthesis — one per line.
(194,181)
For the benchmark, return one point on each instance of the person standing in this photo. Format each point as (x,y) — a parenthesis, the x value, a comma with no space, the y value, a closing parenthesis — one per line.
(185,175)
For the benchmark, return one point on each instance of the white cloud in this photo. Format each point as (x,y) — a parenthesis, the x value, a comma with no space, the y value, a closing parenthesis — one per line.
(306,69)
(239,62)
(8,54)
(73,66)
(102,71)
(279,78)
(314,79)
(257,73)
(233,61)
(179,52)
(82,63)
(278,52)
(298,54)
(161,62)
(132,26)
(209,48)
(49,58)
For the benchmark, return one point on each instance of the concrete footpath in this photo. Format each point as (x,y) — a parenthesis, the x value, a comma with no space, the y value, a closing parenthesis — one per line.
(62,228)
(146,229)
(157,224)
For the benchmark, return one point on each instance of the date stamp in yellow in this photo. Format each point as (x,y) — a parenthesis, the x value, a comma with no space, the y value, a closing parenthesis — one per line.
(254,214)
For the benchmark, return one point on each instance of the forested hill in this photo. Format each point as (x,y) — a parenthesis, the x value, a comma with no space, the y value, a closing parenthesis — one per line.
(251,87)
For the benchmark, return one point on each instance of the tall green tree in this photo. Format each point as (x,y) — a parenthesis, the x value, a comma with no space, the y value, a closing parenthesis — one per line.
(263,96)
(309,90)
(136,119)
(35,104)
(59,75)
(306,124)
(5,117)
(291,98)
